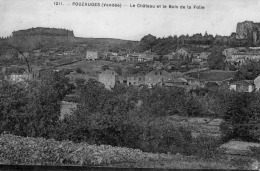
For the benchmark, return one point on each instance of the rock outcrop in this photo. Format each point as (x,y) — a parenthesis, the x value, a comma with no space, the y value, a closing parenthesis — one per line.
(37,38)
(248,30)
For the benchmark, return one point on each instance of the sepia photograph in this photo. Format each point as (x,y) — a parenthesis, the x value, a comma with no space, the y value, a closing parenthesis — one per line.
(129,84)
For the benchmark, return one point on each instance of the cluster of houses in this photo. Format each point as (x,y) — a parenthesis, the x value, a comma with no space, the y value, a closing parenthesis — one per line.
(174,79)
(234,56)
(16,74)
(200,57)
(51,52)
(156,77)
(238,56)
(113,56)
(38,53)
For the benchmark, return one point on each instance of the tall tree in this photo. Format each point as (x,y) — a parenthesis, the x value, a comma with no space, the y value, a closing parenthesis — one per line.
(217,60)
(147,42)
(242,116)
(249,71)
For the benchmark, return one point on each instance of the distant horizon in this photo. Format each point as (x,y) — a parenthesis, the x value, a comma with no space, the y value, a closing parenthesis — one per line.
(220,17)
(124,39)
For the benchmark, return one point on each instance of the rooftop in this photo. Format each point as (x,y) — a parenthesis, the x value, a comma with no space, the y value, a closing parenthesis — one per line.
(244,82)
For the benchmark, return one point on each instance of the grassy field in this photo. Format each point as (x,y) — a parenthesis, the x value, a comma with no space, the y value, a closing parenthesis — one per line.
(214,75)
(93,68)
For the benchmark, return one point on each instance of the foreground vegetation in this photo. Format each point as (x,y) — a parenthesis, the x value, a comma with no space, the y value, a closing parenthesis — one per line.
(34,151)
(125,117)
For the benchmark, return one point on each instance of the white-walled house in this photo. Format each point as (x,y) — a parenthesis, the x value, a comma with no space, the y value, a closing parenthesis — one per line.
(243,86)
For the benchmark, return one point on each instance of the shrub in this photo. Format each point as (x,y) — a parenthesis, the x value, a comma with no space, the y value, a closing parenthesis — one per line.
(164,137)
(205,147)
(34,151)
(79,71)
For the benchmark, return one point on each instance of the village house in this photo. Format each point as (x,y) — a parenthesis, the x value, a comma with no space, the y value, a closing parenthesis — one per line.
(241,58)
(257,83)
(200,58)
(108,78)
(155,77)
(174,75)
(183,54)
(45,54)
(132,57)
(141,57)
(91,55)
(117,58)
(136,80)
(145,57)
(195,82)
(16,75)
(228,53)
(243,86)
(246,85)
(121,80)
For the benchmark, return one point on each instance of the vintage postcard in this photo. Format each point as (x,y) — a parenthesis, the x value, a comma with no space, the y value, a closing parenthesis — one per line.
(129,84)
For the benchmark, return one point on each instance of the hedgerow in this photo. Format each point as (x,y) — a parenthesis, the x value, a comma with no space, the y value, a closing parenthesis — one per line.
(40,151)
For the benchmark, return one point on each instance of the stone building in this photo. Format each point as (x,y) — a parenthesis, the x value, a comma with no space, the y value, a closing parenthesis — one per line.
(241,58)
(155,77)
(91,55)
(257,83)
(174,75)
(136,80)
(243,86)
(108,78)
(229,52)
(16,75)
(183,54)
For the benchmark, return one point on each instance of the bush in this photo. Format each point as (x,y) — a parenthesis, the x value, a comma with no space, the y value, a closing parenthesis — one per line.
(34,151)
(79,71)
(205,147)
(164,137)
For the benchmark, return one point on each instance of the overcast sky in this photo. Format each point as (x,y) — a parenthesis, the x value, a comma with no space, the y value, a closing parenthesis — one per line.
(132,23)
